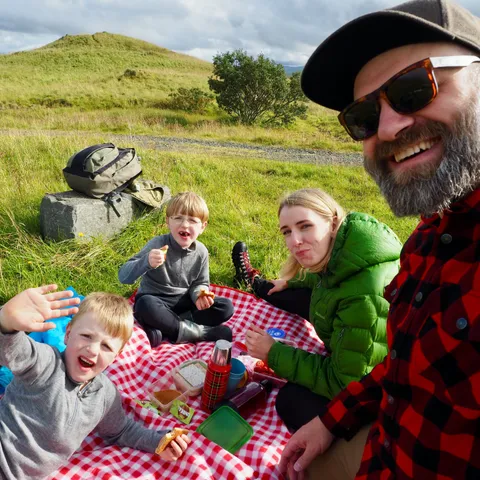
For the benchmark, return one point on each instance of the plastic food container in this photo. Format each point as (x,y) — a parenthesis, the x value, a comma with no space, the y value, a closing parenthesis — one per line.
(226,428)
(189,377)
(164,391)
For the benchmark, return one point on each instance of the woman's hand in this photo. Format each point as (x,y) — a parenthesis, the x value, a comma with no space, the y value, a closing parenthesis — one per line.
(175,448)
(278,286)
(258,342)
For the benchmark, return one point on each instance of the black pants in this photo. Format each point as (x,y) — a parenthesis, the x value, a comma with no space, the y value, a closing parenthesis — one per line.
(154,312)
(292,300)
(297,405)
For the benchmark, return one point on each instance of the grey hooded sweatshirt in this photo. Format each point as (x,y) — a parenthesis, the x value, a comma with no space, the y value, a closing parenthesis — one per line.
(44,416)
(184,270)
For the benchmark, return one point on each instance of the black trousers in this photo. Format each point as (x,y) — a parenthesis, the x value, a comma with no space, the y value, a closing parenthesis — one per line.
(292,300)
(297,405)
(154,312)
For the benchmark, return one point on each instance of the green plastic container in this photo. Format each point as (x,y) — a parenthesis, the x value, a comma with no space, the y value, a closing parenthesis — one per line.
(226,428)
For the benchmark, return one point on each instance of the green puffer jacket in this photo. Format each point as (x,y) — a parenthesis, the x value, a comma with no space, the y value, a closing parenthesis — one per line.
(347,309)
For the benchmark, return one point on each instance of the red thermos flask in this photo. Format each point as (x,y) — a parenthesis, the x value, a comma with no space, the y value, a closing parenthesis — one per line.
(218,371)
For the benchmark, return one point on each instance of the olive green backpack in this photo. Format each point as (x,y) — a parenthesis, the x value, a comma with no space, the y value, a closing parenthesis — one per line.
(102,171)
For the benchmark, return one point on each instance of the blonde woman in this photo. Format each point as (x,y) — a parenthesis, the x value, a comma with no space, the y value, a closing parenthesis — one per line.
(335,275)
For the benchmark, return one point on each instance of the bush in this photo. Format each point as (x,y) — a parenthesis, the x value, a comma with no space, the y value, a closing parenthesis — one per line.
(49,101)
(191,100)
(256,90)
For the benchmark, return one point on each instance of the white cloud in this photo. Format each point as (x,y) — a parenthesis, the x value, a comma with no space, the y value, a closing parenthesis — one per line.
(285,30)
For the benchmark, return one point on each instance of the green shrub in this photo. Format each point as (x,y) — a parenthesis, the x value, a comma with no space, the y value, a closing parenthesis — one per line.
(193,100)
(256,90)
(49,101)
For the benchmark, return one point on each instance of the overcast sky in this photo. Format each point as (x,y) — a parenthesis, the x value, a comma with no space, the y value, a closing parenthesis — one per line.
(286,31)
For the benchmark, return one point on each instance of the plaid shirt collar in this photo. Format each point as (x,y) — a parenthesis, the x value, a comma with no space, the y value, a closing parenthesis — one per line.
(464,205)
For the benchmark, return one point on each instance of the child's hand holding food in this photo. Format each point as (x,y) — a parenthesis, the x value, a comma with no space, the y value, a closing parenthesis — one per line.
(157,256)
(204,299)
(173,444)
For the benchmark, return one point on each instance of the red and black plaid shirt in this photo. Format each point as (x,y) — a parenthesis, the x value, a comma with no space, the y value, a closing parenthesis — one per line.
(424,399)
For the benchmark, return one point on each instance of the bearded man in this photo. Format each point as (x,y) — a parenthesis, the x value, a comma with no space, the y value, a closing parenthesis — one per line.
(406,81)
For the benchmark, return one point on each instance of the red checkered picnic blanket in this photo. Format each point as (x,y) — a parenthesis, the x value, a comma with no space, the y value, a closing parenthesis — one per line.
(139,366)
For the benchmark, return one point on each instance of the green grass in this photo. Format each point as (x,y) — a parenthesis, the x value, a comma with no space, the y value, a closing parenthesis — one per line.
(112,83)
(88,71)
(85,88)
(31,165)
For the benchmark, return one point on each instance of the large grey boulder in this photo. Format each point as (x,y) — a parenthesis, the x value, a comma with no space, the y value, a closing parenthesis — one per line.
(71,214)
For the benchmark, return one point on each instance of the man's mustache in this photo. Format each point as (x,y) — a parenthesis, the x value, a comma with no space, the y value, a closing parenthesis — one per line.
(411,136)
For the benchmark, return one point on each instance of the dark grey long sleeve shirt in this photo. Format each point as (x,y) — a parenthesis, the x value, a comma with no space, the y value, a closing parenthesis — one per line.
(184,270)
(44,416)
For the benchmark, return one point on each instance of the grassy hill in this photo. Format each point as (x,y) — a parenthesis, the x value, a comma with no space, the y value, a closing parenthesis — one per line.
(103,70)
(87,87)
(112,83)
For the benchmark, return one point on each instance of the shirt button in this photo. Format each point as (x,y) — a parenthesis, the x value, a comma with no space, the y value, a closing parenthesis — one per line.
(386,444)
(394,291)
(390,400)
(419,296)
(461,323)
(393,354)
(446,238)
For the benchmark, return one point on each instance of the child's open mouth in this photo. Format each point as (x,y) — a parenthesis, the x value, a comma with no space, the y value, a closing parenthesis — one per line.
(184,234)
(85,363)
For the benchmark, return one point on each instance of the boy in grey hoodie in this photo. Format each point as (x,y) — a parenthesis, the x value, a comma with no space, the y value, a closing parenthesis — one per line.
(173,300)
(56,399)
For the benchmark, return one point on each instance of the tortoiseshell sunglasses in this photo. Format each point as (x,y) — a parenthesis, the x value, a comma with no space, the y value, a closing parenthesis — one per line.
(406,92)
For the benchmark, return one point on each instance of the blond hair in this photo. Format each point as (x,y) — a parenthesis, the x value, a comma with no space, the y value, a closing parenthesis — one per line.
(188,203)
(112,311)
(322,204)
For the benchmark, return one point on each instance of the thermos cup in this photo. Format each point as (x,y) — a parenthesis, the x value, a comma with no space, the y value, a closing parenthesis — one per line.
(218,371)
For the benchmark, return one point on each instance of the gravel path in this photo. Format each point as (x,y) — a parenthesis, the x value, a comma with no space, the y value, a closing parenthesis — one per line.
(192,145)
(320,157)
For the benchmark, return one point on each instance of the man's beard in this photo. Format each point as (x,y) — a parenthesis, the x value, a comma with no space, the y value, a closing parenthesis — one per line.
(432,188)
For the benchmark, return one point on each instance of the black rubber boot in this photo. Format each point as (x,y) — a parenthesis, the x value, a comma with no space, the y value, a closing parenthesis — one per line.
(245,274)
(154,336)
(190,332)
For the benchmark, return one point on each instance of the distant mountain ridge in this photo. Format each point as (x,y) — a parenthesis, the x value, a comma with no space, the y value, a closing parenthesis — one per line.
(289,69)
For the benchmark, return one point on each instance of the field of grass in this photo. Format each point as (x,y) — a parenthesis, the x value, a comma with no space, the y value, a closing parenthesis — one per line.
(85,88)
(111,83)
(246,210)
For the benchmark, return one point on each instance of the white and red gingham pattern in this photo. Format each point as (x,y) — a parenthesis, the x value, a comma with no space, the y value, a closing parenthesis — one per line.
(139,366)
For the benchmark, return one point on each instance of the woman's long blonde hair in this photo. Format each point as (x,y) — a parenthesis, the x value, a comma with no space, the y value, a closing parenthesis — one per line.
(322,204)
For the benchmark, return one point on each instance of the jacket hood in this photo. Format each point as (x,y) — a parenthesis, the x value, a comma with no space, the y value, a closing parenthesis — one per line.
(361,242)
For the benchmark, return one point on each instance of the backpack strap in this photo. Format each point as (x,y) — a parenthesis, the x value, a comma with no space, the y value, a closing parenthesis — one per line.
(110,197)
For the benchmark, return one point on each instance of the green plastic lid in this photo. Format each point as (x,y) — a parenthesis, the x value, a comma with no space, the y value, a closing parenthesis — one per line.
(226,428)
